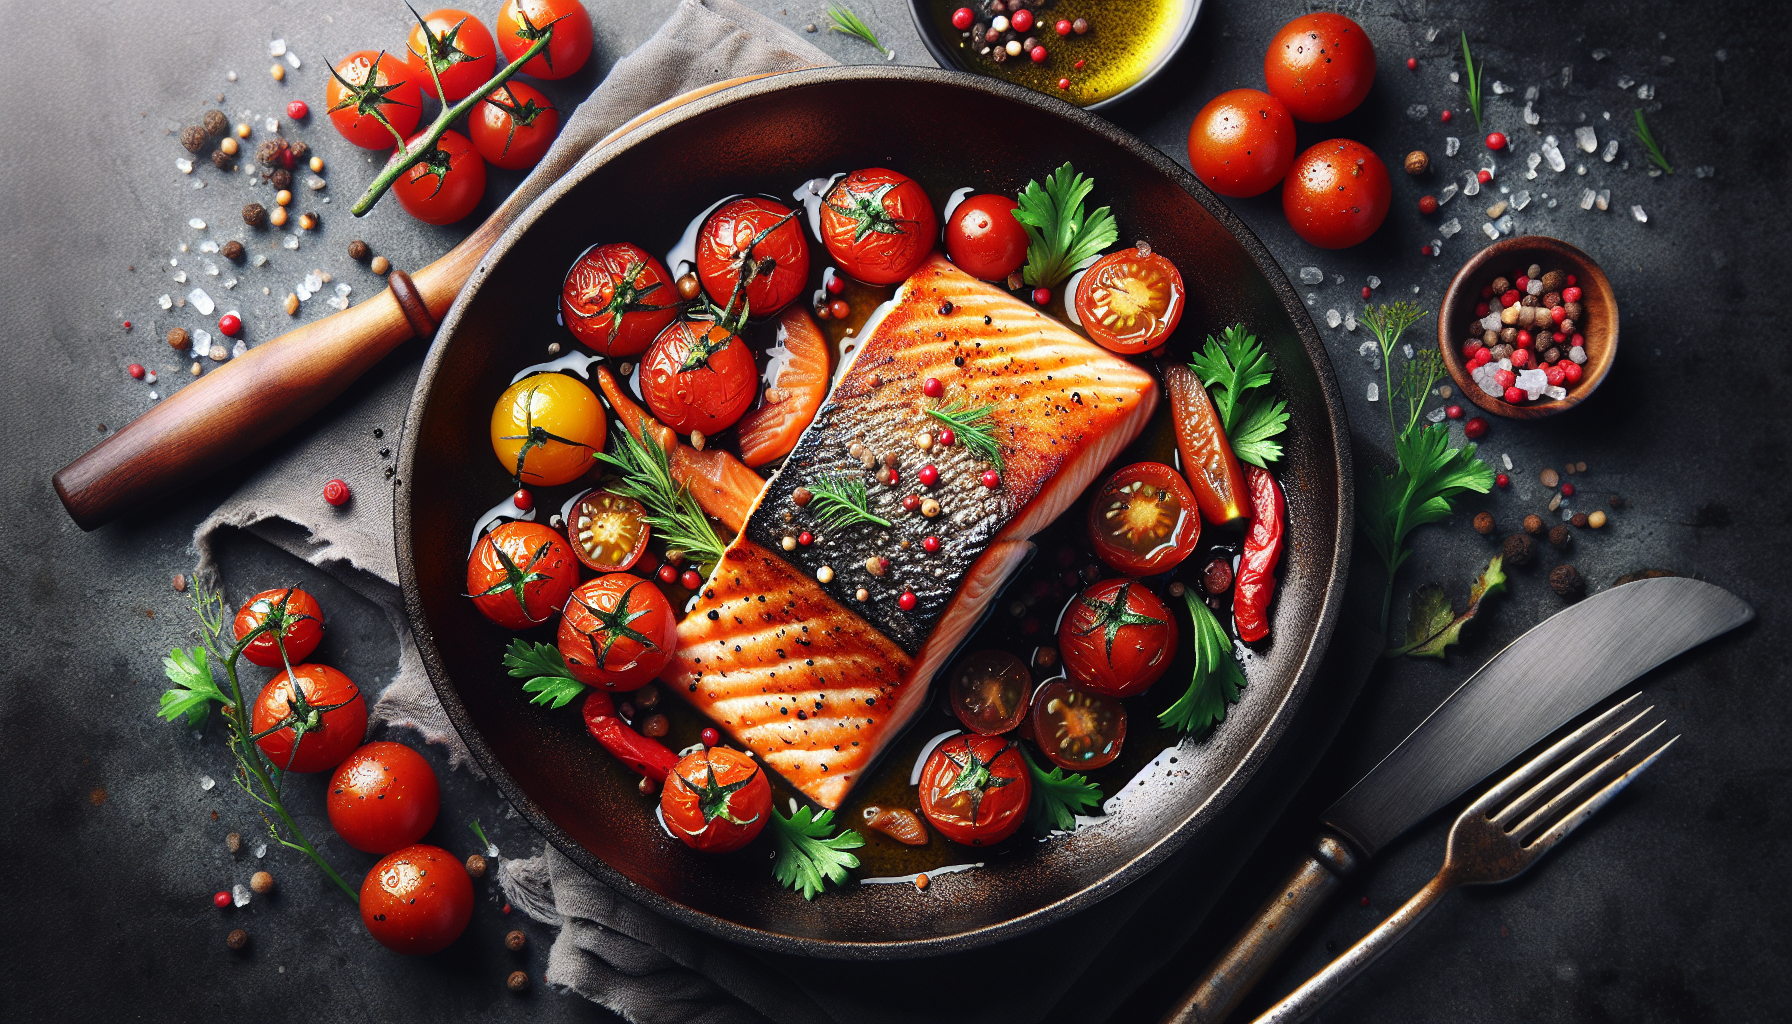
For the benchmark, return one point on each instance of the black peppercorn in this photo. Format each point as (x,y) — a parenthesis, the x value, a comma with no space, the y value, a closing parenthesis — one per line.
(359,250)
(194,138)
(515,941)
(476,865)
(221,160)
(1579,520)
(215,123)
(255,215)
(237,938)
(299,151)
(268,153)
(282,178)
(1484,524)
(232,250)
(1518,548)
(1566,581)
(1559,535)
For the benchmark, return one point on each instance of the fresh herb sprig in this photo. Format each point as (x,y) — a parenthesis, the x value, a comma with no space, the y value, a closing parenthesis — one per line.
(544,671)
(970,428)
(1216,680)
(1235,369)
(1057,798)
(806,858)
(1059,236)
(1435,625)
(848,23)
(671,510)
(1474,80)
(484,844)
(841,501)
(1647,138)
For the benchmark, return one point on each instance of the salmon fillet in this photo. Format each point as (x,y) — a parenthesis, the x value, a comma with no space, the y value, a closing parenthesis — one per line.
(1063,408)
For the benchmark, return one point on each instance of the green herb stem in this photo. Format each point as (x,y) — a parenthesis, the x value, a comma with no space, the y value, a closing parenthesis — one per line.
(848,23)
(1474,81)
(1647,138)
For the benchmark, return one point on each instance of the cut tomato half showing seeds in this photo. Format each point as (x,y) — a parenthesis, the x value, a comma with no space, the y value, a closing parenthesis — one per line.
(1077,729)
(1144,520)
(1131,300)
(989,692)
(608,531)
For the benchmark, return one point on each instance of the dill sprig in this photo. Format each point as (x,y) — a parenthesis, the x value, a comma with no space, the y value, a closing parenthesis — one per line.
(841,501)
(848,23)
(647,477)
(966,422)
(1474,81)
(1648,139)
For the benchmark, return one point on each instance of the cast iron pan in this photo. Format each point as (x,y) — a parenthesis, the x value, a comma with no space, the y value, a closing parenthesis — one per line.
(769,136)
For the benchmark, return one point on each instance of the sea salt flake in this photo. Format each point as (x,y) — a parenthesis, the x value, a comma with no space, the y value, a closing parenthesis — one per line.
(1371,353)
(1521,200)
(229,283)
(292,61)
(1311,275)
(1349,320)
(314,282)
(166,302)
(208,246)
(1578,354)
(1641,217)
(211,269)
(1406,350)
(1580,169)
(1567,76)
(230,76)
(150,376)
(1645,92)
(315,183)
(337,302)
(201,301)
(180,277)
(1374,392)
(240,895)
(1505,460)
(1625,81)
(1431,37)
(202,341)
(1586,138)
(1533,287)
(1531,116)
(1490,322)
(1704,171)
(260,260)
(277,48)
(196,224)
(1418,111)
(1552,204)
(1374,282)
(1455,77)
(1333,318)
(1471,186)
(302,292)
(239,349)
(184,165)
(1435,416)
(1437,247)
(1452,145)
(1601,54)
(199,184)
(1490,231)
(1312,299)
(1500,88)
(1558,393)
(206,782)
(272,124)
(1533,382)
(1504,224)
(290,241)
(1611,151)
(1448,193)
(261,850)
(1603,200)
(1552,154)
(1449,227)
(343,289)
(1337,278)
(1587,196)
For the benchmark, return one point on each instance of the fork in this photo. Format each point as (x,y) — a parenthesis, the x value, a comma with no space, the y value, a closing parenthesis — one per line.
(1500,836)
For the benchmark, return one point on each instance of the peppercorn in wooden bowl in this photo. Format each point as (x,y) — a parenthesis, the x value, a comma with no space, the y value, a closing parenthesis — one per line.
(1458,333)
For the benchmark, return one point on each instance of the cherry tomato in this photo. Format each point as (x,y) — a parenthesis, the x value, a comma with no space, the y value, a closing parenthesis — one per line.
(1241,143)
(514,126)
(383,797)
(417,900)
(760,241)
(1144,520)
(1320,66)
(618,632)
(1337,194)
(521,22)
(984,239)
(547,429)
(520,574)
(445,185)
(1208,462)
(1076,729)
(1130,300)
(617,298)
(975,789)
(325,720)
(878,225)
(989,692)
(302,632)
(460,47)
(699,376)
(608,531)
(352,101)
(1117,639)
(716,800)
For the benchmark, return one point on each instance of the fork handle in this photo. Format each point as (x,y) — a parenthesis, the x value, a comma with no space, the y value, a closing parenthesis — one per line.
(1300,1004)
(1244,962)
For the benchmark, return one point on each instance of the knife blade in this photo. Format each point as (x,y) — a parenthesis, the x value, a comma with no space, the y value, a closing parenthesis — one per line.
(1558,669)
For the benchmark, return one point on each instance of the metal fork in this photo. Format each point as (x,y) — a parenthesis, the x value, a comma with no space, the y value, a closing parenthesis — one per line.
(1544,801)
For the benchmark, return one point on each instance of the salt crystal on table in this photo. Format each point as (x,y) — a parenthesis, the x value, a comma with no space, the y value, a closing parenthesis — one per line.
(1452,145)
(261,850)
(1374,392)
(240,895)
(1567,77)
(196,224)
(1601,54)
(1471,185)
(1371,351)
(314,282)
(1455,77)
(184,165)
(1586,138)
(259,260)
(1418,111)
(208,246)
(1431,37)
(1704,171)
(211,269)
(199,184)
(166,302)
(1645,92)
(1531,116)
(1641,217)
(1349,320)
(201,301)
(343,290)
(202,341)
(1333,318)
(1604,199)
(1374,282)
(1500,88)
(272,124)
(1407,349)
(180,277)
(1521,200)
(302,292)
(277,48)
(1490,231)
(1625,81)
(153,396)
(1437,247)
(206,782)
(1552,154)
(1587,196)
(230,76)
(1557,393)
(1504,224)
(1578,354)
(1446,195)
(290,241)
(238,349)
(1611,151)
(315,183)
(1552,204)
(1505,460)
(1311,275)
(292,61)
(229,283)
(1337,278)
(150,376)
(1580,169)
(1435,416)
(1312,299)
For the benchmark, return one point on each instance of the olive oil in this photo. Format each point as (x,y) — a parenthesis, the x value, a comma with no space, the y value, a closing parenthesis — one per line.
(1125,41)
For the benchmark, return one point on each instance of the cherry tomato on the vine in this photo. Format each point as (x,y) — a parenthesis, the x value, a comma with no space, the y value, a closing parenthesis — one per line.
(1241,143)
(618,632)
(446,184)
(1130,300)
(878,225)
(383,796)
(1117,639)
(759,241)
(547,429)
(983,238)
(1320,66)
(356,91)
(1077,729)
(1337,194)
(325,719)
(699,375)
(1144,520)
(975,789)
(520,574)
(617,298)
(521,22)
(303,626)
(989,692)
(417,900)
(514,126)
(460,47)
(716,800)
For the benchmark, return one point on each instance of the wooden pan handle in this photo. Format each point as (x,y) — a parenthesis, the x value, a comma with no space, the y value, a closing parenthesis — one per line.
(231,412)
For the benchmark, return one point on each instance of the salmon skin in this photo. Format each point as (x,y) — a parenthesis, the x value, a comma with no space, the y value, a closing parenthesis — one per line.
(1062,409)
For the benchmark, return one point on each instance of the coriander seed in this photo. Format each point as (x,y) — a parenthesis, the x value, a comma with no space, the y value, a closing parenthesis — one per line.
(518,980)
(261,883)
(1484,524)
(380,265)
(476,865)
(234,841)
(515,940)
(1533,524)
(359,251)
(179,340)
(283,197)
(242,130)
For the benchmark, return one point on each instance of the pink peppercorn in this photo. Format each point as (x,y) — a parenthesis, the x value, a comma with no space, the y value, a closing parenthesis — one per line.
(1515,396)
(946,438)
(907,601)
(1525,340)
(1496,140)
(962,18)
(1038,54)
(1558,337)
(1453,411)
(1480,310)
(1579,341)
(1521,358)
(1483,175)
(1487,291)
(297,110)
(230,324)
(710,736)
(1427,204)
(1042,296)
(1367,292)
(136,370)
(1063,83)
(1571,293)
(835,285)
(911,502)
(221,901)
(523,500)
(1505,378)
(932,388)
(929,475)
(1022,20)
(1567,490)
(1062,27)
(1571,283)
(1510,298)
(991,479)
(1571,372)
(1483,357)
(805,538)
(1558,314)
(1446,117)
(930,544)
(690,580)
(336,492)
(1522,281)
(1412,63)
(1079,65)
(1424,250)
(1502,481)
(1556,374)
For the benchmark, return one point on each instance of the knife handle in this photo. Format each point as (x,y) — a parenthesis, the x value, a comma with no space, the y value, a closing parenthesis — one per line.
(1244,962)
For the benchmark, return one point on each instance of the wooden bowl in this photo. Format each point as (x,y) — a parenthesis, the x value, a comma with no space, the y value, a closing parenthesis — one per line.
(1600,330)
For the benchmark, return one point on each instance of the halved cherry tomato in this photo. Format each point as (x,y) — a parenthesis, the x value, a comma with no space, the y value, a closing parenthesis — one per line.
(1130,300)
(446,184)
(878,225)
(1077,729)
(514,126)
(608,531)
(460,47)
(983,238)
(521,22)
(417,900)
(758,241)
(520,574)
(1257,566)
(699,376)
(618,632)
(1207,458)
(975,789)
(1337,194)
(1117,639)
(352,101)
(796,384)
(325,719)
(1241,143)
(1144,520)
(617,298)
(547,429)
(1320,65)
(716,800)
(302,632)
(384,796)
(989,692)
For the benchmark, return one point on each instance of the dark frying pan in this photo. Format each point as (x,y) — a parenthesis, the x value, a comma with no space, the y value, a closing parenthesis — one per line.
(768,136)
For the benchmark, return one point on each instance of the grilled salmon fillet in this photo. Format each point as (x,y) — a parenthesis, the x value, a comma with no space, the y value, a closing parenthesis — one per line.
(819,711)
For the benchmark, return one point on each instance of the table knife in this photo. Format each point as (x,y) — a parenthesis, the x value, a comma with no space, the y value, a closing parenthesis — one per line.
(1552,673)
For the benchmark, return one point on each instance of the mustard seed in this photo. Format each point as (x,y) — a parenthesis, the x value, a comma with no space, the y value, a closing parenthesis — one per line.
(229,146)
(278,217)
(242,130)
(283,197)
(1597,519)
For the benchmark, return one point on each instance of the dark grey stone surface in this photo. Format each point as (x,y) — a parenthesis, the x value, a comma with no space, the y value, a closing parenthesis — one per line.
(1663,909)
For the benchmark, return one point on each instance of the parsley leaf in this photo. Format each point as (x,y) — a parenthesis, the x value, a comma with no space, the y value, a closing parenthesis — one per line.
(806,859)
(1434,625)
(194,689)
(1217,678)
(1057,798)
(546,672)
(1232,367)
(1059,236)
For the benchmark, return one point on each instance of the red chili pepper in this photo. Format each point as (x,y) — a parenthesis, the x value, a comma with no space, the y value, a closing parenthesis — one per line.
(1262,550)
(647,756)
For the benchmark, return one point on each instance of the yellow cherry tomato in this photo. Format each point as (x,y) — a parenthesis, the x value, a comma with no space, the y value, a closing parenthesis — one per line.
(547,429)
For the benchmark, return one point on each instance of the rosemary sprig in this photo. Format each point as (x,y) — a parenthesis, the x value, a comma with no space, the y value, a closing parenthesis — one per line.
(647,477)
(1648,139)
(1474,81)
(966,423)
(841,501)
(848,23)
